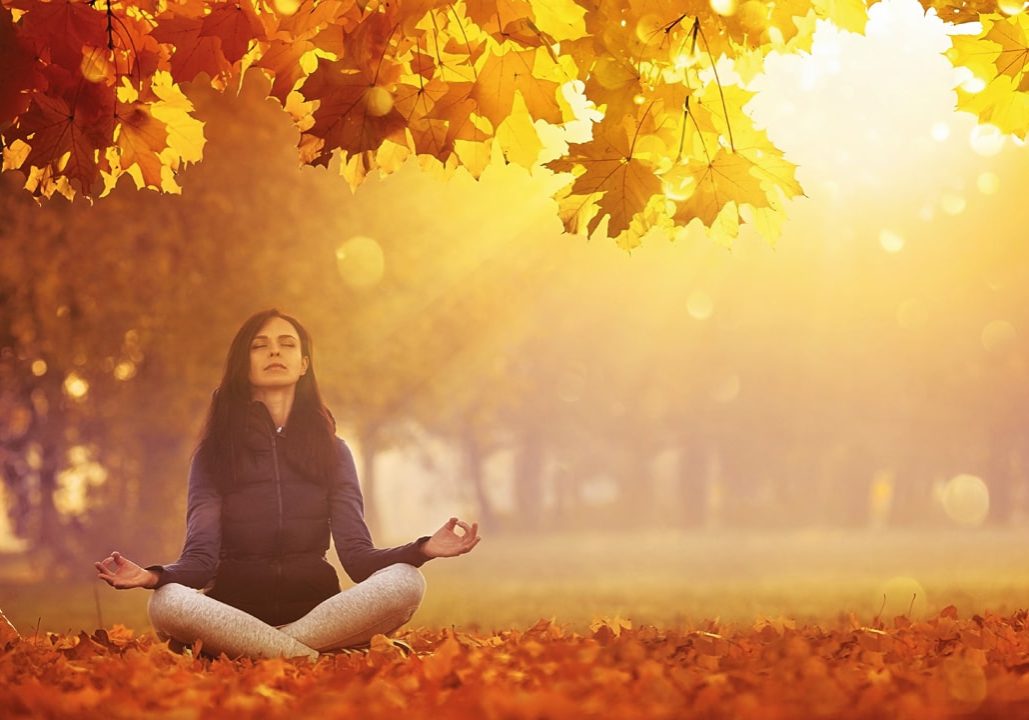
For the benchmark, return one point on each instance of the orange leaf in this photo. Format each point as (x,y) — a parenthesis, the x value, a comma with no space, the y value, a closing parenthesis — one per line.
(193,54)
(141,139)
(283,60)
(344,118)
(503,74)
(624,182)
(236,25)
(494,16)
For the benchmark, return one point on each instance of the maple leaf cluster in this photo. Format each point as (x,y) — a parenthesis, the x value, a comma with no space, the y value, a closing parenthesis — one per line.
(997,60)
(93,90)
(941,667)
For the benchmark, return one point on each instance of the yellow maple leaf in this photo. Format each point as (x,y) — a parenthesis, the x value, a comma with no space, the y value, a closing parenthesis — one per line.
(561,19)
(141,138)
(185,133)
(1012,36)
(727,177)
(504,73)
(976,54)
(848,14)
(611,176)
(518,137)
(792,24)
(1001,104)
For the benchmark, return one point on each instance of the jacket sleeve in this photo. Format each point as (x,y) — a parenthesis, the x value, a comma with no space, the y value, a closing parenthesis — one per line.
(350,533)
(198,563)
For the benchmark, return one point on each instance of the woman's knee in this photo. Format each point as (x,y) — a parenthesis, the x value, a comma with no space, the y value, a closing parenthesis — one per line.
(408,583)
(169,606)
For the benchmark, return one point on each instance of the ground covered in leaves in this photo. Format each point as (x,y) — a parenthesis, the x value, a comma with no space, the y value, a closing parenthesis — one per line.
(946,666)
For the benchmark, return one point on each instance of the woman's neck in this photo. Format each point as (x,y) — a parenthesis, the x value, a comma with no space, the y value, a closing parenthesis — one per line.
(279,402)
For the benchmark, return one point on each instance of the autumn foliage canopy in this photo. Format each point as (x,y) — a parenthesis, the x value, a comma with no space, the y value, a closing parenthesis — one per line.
(630,89)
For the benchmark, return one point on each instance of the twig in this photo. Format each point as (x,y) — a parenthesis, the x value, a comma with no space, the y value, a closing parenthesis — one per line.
(718,82)
(96,600)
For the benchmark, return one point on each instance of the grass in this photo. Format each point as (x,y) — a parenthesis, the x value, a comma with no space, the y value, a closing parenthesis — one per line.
(660,578)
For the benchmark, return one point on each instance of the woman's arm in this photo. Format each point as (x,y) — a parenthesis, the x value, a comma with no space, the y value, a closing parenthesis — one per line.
(360,558)
(198,563)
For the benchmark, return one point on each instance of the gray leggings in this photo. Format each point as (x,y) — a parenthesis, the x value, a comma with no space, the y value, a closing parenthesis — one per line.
(380,604)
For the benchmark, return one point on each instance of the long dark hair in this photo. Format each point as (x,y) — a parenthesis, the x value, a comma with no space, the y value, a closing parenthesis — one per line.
(310,440)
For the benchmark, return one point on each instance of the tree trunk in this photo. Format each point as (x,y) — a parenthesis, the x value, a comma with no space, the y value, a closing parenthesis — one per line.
(369,450)
(473,459)
(529,482)
(692,485)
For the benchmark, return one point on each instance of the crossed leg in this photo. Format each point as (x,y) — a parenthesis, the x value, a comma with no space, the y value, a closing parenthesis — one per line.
(380,604)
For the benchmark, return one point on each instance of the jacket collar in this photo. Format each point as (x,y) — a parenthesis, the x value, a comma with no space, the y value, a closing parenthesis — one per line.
(259,419)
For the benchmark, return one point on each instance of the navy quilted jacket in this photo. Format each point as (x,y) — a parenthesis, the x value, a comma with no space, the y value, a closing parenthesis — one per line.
(260,542)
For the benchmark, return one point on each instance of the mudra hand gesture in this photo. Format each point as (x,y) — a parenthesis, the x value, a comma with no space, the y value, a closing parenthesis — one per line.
(447,543)
(122,573)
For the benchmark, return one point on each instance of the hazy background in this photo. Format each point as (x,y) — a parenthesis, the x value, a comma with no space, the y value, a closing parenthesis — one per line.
(833,424)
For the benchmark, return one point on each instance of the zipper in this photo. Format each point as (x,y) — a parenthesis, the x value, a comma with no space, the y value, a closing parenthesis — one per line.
(278,543)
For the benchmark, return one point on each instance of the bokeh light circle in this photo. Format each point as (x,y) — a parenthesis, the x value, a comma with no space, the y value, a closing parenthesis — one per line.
(699,305)
(891,242)
(724,7)
(966,500)
(986,139)
(726,388)
(360,261)
(988,183)
(998,336)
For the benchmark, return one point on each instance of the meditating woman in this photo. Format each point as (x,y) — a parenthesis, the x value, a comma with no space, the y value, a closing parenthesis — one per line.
(268,483)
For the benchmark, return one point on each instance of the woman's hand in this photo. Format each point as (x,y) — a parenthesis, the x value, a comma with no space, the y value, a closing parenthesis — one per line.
(447,543)
(121,573)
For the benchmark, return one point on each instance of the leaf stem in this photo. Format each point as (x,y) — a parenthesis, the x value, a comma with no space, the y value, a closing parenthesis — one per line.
(718,82)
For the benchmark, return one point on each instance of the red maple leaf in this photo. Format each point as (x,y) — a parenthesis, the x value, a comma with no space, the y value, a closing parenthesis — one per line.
(19,70)
(193,54)
(236,25)
(59,29)
(67,127)
(343,119)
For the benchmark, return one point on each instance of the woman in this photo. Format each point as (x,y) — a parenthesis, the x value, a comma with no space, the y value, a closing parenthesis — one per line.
(268,483)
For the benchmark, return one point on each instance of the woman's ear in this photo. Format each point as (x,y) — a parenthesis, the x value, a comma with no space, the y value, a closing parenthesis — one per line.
(305,364)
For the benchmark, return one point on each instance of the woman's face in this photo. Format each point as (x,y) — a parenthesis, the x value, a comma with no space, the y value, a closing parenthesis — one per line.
(275,356)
